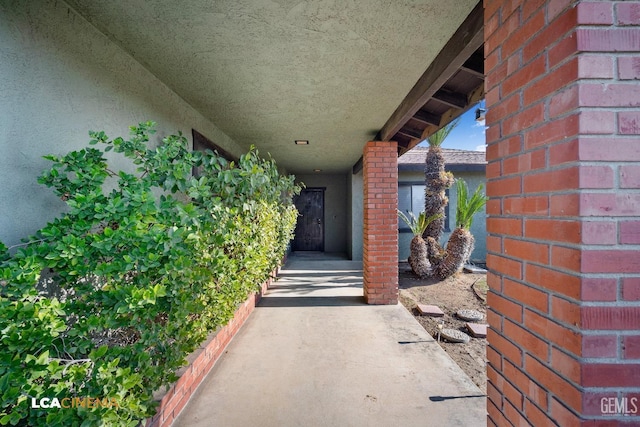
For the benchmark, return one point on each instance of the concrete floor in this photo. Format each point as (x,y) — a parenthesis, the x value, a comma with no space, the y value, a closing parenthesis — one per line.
(313,354)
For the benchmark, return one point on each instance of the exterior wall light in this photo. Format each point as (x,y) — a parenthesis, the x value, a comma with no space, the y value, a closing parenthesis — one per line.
(301,142)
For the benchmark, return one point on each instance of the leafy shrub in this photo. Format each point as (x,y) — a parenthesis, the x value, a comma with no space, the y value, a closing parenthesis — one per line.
(107,300)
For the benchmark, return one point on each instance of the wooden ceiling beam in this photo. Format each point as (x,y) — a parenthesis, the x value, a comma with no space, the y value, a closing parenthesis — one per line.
(452,99)
(427,118)
(402,147)
(465,41)
(410,133)
(453,113)
(472,72)
(475,64)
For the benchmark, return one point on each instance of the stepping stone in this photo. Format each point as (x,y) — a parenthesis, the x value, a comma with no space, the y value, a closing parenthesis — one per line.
(430,310)
(454,335)
(477,330)
(470,315)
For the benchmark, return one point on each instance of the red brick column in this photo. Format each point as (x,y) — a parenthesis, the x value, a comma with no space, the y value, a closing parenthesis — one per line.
(563,230)
(380,251)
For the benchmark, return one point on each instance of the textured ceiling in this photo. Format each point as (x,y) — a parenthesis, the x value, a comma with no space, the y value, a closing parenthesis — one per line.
(269,72)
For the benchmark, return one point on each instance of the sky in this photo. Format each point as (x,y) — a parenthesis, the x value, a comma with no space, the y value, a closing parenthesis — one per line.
(468,135)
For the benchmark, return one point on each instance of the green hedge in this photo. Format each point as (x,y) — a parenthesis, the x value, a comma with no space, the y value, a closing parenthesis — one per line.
(106,301)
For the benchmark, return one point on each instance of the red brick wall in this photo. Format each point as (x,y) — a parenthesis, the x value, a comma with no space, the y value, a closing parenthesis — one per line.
(200,363)
(380,249)
(563,231)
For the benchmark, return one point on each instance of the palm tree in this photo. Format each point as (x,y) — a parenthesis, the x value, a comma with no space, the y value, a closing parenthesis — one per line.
(460,244)
(418,259)
(436,182)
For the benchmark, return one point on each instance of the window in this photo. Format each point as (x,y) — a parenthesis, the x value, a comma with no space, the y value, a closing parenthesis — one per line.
(202,143)
(411,199)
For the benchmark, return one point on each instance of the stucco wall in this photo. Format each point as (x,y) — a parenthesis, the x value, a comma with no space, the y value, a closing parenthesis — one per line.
(349,215)
(478,228)
(335,208)
(357,214)
(61,78)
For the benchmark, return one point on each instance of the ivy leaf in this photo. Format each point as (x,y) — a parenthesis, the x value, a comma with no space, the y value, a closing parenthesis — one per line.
(43,359)
(99,352)
(6,419)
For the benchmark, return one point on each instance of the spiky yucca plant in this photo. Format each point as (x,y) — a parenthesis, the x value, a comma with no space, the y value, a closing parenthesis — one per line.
(468,206)
(436,182)
(418,259)
(460,244)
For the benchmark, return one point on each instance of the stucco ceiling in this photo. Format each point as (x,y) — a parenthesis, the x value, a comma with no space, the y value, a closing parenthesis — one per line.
(269,72)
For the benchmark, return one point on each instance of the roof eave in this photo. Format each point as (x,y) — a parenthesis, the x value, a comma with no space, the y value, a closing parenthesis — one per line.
(468,167)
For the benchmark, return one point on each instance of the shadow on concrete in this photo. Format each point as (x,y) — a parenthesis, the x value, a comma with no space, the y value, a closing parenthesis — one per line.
(443,398)
(298,301)
(330,276)
(320,256)
(312,286)
(314,354)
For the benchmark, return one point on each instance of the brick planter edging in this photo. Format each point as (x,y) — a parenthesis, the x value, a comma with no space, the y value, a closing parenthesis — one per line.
(201,362)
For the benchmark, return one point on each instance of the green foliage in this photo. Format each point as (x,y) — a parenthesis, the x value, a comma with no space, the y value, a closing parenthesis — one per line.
(468,206)
(438,138)
(419,224)
(107,300)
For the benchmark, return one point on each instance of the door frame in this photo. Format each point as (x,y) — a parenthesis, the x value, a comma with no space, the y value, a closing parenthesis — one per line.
(323,190)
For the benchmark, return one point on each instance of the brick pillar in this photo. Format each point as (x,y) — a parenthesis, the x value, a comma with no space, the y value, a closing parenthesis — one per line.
(563,231)
(380,251)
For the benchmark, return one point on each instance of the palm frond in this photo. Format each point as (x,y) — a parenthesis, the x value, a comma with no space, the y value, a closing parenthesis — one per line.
(468,206)
(438,138)
(419,224)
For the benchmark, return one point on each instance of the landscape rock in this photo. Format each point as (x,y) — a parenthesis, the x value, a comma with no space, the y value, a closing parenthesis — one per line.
(454,335)
(470,315)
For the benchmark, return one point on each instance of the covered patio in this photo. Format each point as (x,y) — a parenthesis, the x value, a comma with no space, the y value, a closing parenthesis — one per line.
(357,83)
(313,353)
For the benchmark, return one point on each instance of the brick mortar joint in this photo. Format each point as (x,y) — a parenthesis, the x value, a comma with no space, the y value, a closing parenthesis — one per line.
(612,304)
(548,316)
(544,363)
(613,248)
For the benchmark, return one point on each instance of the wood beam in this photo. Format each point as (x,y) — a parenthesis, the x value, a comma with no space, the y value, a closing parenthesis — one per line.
(427,118)
(357,166)
(410,133)
(475,64)
(450,115)
(472,72)
(402,147)
(452,99)
(465,41)
(453,113)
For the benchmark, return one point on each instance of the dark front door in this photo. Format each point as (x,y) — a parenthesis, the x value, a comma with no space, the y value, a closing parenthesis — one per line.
(310,227)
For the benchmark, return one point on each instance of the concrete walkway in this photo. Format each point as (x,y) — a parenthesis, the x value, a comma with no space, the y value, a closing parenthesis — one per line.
(313,354)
